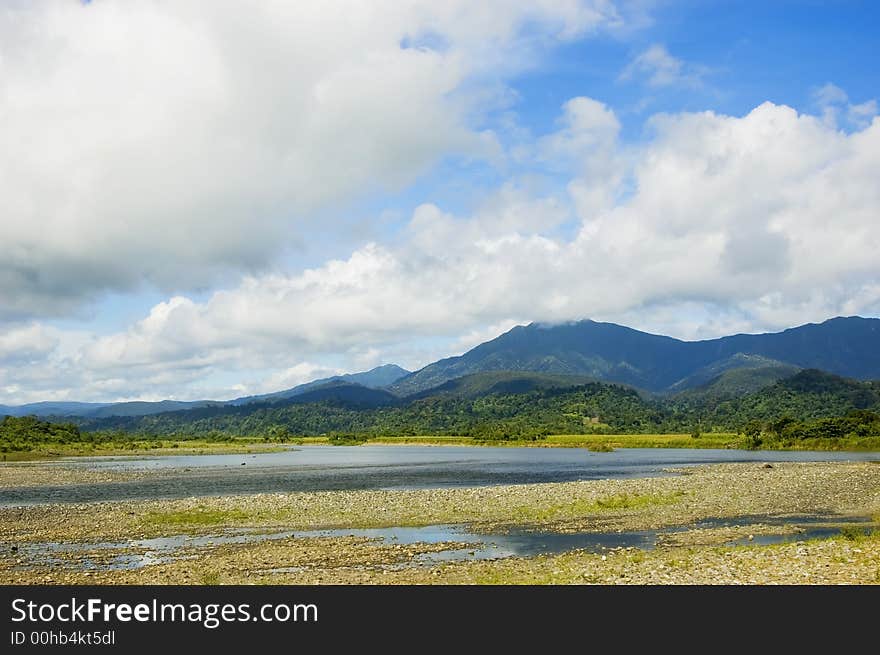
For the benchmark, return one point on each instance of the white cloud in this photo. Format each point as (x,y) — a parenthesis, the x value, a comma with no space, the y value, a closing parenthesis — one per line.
(295,375)
(688,232)
(830,94)
(727,223)
(588,144)
(171,143)
(660,69)
(25,344)
(862,114)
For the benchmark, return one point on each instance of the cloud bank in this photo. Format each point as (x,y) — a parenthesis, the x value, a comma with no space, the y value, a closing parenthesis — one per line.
(768,219)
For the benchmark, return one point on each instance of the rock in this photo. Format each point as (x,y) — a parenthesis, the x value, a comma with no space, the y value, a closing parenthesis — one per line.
(768,465)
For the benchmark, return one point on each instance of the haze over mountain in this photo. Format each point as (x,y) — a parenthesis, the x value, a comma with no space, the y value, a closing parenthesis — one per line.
(614,353)
(376,378)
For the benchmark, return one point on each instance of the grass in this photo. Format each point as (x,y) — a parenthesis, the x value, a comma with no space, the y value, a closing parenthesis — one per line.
(204,516)
(604,443)
(595,442)
(601,441)
(865,444)
(209,578)
(857,533)
(143,447)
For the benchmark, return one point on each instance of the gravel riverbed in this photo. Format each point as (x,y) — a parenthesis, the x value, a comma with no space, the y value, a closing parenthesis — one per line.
(689,556)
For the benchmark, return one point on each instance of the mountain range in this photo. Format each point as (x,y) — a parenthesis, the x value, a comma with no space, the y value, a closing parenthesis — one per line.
(376,378)
(543,356)
(848,347)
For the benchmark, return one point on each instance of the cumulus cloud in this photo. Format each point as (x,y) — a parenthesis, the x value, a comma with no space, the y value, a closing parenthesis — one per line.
(660,69)
(728,210)
(170,143)
(25,344)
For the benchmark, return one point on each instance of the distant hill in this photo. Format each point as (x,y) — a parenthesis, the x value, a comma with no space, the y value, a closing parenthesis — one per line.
(613,353)
(751,371)
(97,410)
(739,376)
(807,395)
(738,382)
(341,407)
(507,382)
(136,408)
(376,378)
(50,408)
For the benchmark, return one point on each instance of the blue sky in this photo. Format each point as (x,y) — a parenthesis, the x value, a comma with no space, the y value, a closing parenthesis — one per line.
(197,208)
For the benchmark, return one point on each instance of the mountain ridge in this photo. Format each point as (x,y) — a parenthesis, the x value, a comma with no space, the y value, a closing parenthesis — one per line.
(848,346)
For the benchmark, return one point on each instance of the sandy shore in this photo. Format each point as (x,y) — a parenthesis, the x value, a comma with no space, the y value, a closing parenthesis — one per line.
(690,556)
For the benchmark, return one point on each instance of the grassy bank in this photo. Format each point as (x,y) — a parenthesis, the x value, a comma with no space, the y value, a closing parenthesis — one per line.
(140,448)
(594,442)
(610,442)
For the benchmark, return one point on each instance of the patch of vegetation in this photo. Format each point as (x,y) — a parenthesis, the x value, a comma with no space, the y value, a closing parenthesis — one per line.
(856,532)
(205,516)
(580,508)
(209,578)
(23,433)
(858,428)
(347,439)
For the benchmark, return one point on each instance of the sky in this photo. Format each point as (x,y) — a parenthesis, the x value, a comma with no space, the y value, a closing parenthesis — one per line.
(210,200)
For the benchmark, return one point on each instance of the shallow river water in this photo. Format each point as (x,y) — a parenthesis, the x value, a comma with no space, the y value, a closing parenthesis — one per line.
(314,468)
(464,544)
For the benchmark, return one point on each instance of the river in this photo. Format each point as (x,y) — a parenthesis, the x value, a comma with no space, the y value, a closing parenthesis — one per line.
(315,468)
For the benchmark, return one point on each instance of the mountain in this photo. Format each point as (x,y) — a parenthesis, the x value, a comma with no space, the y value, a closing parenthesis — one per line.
(346,408)
(376,378)
(476,406)
(344,393)
(614,353)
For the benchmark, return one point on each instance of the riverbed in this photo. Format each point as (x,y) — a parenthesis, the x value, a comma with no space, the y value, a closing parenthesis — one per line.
(756,521)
